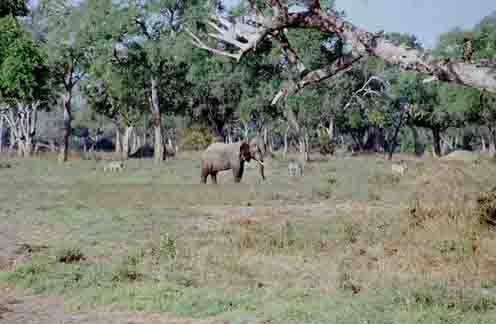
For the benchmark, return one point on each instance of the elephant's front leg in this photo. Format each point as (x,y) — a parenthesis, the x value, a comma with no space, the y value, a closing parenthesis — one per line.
(238,173)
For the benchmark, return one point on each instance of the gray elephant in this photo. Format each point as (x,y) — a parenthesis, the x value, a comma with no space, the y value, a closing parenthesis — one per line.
(221,157)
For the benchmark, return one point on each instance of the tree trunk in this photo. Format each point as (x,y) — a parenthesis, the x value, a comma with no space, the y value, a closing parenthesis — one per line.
(1,135)
(492,144)
(245,133)
(436,137)
(270,143)
(12,140)
(265,139)
(330,129)
(445,145)
(416,144)
(118,141)
(67,98)
(22,124)
(135,143)
(126,140)
(303,143)
(158,151)
(286,135)
(307,147)
(139,143)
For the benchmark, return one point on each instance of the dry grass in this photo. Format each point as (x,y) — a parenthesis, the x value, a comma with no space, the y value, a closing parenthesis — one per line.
(346,237)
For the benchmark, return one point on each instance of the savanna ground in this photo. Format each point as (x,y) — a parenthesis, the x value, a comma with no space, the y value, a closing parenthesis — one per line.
(346,243)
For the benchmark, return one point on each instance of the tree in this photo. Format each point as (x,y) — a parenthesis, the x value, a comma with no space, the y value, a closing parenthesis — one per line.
(13,8)
(158,25)
(67,44)
(24,83)
(118,92)
(358,44)
(436,106)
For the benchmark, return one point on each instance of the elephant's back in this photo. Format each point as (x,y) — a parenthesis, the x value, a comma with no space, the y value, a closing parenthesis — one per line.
(218,156)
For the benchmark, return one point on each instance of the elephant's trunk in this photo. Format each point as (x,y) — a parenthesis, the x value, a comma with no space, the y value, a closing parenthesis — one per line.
(261,168)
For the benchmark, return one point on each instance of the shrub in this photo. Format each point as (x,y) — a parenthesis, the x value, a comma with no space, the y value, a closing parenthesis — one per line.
(127,270)
(486,204)
(326,147)
(196,139)
(70,254)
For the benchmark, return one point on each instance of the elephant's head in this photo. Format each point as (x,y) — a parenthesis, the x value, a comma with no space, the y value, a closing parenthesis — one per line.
(253,151)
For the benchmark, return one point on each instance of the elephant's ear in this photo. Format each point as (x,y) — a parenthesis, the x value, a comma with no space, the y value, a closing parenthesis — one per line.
(244,151)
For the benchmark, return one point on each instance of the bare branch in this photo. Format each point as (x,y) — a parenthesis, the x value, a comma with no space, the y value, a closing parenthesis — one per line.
(316,76)
(363,43)
(143,28)
(198,43)
(365,89)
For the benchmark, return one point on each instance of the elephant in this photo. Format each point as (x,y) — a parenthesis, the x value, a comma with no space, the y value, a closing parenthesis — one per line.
(221,157)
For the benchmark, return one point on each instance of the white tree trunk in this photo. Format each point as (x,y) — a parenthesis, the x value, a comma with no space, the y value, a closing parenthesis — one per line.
(303,146)
(67,106)
(492,144)
(286,135)
(158,150)
(118,141)
(330,129)
(22,122)
(126,141)
(139,142)
(1,134)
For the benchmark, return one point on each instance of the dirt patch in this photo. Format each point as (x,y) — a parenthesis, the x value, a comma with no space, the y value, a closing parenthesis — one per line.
(22,307)
(443,190)
(465,156)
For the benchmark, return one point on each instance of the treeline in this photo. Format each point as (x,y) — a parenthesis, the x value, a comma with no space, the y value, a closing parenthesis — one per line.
(124,76)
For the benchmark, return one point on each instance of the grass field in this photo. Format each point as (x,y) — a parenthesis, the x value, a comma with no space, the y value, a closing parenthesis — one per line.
(346,243)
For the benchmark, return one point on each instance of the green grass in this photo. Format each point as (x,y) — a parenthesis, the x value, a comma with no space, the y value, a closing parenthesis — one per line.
(334,246)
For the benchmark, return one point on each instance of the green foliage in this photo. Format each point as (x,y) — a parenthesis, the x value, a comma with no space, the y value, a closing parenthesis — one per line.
(13,8)
(450,44)
(23,73)
(405,40)
(196,138)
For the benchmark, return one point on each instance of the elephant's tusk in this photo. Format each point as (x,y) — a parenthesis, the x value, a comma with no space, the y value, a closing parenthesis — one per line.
(260,162)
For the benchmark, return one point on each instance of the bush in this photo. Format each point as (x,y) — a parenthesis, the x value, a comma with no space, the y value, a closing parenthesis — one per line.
(196,139)
(70,254)
(487,206)
(326,147)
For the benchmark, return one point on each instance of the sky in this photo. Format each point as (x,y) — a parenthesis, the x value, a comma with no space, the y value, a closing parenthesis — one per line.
(426,19)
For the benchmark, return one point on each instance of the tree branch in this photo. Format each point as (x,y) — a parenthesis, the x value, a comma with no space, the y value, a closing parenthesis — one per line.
(315,76)
(363,44)
(364,89)
(290,52)
(143,28)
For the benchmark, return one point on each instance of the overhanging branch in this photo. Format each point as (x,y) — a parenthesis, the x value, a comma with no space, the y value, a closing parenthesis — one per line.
(363,43)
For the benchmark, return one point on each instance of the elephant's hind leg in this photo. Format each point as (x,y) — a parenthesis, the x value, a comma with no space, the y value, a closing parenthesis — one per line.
(204,176)
(213,175)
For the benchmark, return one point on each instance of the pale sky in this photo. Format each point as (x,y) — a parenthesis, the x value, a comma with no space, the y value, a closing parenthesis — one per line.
(424,18)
